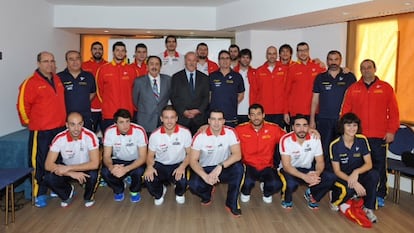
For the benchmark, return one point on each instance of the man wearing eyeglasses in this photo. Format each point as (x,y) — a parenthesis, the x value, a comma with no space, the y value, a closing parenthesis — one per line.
(41,107)
(227,89)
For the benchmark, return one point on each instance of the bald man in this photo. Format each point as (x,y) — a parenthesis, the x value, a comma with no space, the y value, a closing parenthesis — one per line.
(73,155)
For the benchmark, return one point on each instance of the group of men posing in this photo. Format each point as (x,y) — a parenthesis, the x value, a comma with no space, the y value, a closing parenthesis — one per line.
(300,96)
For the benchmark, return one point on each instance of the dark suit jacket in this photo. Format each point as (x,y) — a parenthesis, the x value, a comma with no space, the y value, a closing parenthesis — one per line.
(182,99)
(149,109)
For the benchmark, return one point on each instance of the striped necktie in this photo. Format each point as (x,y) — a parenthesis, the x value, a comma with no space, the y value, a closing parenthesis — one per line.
(155,89)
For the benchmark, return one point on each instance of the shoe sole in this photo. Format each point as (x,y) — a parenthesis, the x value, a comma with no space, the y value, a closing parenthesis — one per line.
(234,215)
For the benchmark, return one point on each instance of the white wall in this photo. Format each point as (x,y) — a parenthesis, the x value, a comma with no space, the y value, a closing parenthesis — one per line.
(321,40)
(26,29)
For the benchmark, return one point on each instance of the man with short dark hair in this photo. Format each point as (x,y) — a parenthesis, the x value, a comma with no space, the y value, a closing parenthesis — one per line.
(299,83)
(215,157)
(258,140)
(227,89)
(73,155)
(80,87)
(92,66)
(204,64)
(248,74)
(125,153)
(140,62)
(150,95)
(172,61)
(168,157)
(234,51)
(303,162)
(115,81)
(328,93)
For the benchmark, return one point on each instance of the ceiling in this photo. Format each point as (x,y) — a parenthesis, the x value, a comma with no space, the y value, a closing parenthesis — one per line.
(374,8)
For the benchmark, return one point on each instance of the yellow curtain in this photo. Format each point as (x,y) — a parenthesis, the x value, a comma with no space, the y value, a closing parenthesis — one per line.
(387,41)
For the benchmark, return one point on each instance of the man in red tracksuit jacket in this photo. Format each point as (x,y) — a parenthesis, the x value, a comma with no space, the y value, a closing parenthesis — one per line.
(92,66)
(269,89)
(114,85)
(258,140)
(41,106)
(375,103)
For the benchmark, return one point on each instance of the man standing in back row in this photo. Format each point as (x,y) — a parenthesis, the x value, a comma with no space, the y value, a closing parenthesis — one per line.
(41,106)
(227,89)
(299,83)
(190,94)
(114,82)
(374,102)
(172,61)
(92,66)
(328,93)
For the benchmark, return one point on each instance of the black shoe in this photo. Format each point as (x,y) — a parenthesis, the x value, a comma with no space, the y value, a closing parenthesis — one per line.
(235,212)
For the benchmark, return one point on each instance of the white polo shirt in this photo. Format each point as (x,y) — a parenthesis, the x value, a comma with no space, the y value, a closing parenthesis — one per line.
(214,149)
(125,147)
(74,151)
(171,65)
(170,149)
(302,156)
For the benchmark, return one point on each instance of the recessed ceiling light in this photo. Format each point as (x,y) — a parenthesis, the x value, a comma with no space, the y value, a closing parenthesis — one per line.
(192,33)
(345,13)
(148,31)
(106,31)
(407,3)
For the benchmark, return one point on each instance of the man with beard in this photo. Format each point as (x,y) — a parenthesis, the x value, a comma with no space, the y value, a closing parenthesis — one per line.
(328,93)
(73,155)
(258,139)
(172,61)
(150,95)
(234,51)
(114,85)
(303,162)
(204,64)
(92,66)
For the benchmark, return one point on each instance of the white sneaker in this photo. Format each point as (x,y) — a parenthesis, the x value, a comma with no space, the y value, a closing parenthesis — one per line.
(370,215)
(268,199)
(89,203)
(244,198)
(160,200)
(180,199)
(67,202)
(333,206)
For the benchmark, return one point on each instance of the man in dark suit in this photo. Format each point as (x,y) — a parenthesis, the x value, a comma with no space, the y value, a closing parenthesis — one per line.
(151,94)
(190,94)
